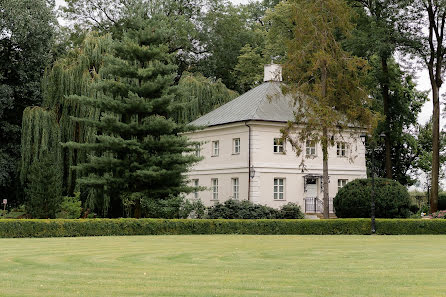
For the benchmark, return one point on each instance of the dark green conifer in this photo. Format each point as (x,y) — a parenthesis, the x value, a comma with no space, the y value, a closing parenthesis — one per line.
(44,188)
(138,153)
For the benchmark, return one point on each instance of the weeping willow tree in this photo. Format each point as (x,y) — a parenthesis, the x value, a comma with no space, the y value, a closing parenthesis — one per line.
(70,75)
(40,138)
(198,95)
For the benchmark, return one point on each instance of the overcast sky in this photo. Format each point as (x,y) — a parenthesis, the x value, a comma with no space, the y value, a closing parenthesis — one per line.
(422,81)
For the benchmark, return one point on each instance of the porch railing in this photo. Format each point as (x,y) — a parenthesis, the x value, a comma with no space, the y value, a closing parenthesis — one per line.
(316,205)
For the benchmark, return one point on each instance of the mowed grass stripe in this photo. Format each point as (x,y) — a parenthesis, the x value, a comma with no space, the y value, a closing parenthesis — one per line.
(224,265)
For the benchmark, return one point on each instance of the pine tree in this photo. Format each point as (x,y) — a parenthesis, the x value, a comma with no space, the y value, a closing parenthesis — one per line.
(138,153)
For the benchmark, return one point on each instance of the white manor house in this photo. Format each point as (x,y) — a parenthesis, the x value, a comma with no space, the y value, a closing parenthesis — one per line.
(244,157)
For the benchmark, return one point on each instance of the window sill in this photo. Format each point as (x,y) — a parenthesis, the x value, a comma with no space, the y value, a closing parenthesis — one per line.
(279,199)
(214,156)
(280,153)
(235,154)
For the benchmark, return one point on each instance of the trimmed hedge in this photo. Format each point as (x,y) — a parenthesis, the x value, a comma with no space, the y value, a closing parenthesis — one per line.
(120,227)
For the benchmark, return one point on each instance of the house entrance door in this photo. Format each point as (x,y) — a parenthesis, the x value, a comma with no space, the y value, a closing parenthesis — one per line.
(311,188)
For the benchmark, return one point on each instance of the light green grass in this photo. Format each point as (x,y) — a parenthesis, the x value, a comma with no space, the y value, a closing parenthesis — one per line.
(224,265)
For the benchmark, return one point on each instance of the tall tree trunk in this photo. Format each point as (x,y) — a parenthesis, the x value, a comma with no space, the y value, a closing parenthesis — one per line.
(435,148)
(326,198)
(325,148)
(437,20)
(386,103)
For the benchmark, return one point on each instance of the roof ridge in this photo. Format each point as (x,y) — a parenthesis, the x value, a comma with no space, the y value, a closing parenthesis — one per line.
(256,104)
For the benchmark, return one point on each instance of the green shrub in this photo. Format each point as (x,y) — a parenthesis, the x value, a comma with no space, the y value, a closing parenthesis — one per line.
(121,227)
(291,211)
(70,208)
(168,208)
(244,209)
(442,201)
(194,209)
(44,188)
(174,207)
(391,199)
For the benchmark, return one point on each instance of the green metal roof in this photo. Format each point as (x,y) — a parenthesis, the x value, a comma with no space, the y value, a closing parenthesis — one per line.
(263,103)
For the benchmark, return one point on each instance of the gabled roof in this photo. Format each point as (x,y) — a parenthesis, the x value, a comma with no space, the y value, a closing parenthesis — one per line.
(264,103)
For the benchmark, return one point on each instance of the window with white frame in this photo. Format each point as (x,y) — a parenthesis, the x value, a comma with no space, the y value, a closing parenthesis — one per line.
(341,149)
(279,186)
(235,188)
(236,146)
(342,183)
(278,145)
(215,148)
(196,183)
(197,150)
(214,183)
(310,148)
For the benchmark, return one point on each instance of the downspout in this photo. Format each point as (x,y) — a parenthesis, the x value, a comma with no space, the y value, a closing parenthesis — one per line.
(249,161)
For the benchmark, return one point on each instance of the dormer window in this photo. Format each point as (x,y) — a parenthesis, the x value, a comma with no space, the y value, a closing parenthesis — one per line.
(310,148)
(278,145)
(215,148)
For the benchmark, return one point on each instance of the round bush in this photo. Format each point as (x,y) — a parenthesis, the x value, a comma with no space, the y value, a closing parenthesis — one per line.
(391,199)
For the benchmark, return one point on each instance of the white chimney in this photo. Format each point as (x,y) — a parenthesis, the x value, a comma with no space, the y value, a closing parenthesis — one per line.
(273,72)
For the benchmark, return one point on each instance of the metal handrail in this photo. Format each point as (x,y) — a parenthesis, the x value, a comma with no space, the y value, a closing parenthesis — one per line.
(316,205)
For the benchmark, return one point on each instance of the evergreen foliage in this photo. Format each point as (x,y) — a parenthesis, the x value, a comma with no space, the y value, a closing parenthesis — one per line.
(391,198)
(235,209)
(198,95)
(137,154)
(70,208)
(44,188)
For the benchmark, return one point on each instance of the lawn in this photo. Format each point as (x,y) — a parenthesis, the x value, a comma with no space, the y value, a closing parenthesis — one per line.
(224,265)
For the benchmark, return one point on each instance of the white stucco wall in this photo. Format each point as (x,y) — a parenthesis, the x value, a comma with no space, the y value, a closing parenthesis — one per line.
(267,164)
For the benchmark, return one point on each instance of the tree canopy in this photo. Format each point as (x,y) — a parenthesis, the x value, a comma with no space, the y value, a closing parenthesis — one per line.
(326,81)
(27,30)
(137,154)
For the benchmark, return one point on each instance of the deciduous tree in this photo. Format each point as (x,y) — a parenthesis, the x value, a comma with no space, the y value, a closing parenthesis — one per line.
(425,34)
(26,36)
(326,81)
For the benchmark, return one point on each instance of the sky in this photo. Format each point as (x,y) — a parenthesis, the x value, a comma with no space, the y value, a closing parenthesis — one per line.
(423,83)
